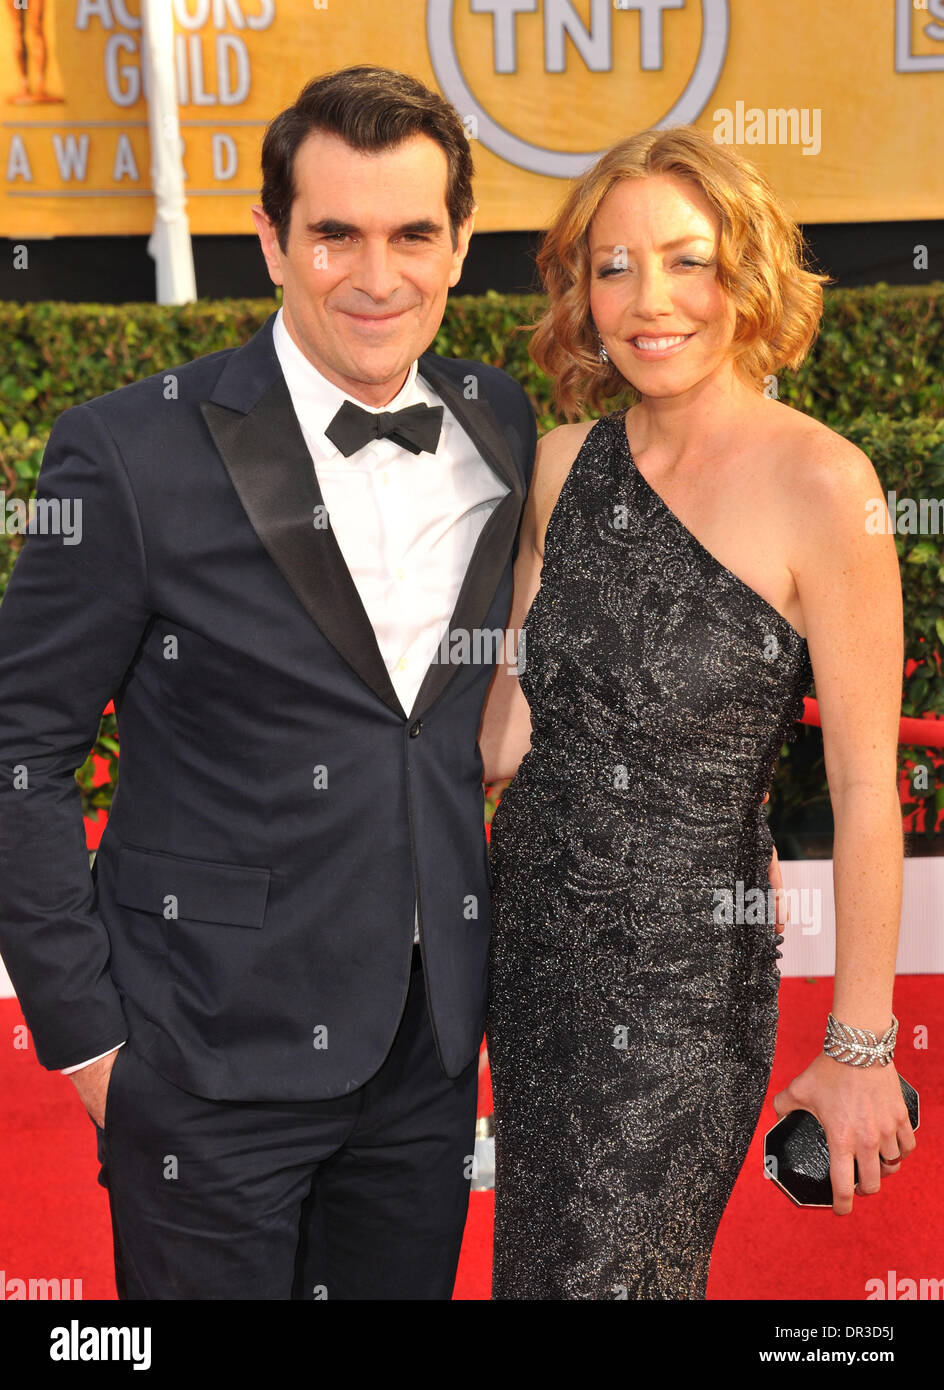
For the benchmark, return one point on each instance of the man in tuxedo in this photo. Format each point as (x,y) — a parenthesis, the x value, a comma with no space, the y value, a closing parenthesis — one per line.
(270,990)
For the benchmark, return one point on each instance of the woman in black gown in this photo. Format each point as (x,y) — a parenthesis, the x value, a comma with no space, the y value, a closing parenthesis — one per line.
(684,568)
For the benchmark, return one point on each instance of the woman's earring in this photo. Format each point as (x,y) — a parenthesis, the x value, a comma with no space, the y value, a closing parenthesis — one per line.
(604,356)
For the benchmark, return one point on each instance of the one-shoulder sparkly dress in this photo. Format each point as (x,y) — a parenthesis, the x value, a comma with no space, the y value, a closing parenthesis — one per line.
(633,995)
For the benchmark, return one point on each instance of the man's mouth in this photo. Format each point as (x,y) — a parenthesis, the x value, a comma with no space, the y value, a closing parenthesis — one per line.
(374,318)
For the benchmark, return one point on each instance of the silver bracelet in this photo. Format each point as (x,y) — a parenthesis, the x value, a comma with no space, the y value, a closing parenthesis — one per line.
(858,1046)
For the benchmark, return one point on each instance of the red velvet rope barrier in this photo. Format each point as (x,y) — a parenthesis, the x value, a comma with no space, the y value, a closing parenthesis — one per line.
(924,733)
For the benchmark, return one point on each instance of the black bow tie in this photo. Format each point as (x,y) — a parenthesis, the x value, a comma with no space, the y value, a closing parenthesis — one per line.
(416,427)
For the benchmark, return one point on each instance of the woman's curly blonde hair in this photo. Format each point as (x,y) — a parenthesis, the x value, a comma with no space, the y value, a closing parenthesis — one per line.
(760,266)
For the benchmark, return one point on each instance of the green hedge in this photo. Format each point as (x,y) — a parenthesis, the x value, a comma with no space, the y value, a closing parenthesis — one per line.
(874,374)
(879,349)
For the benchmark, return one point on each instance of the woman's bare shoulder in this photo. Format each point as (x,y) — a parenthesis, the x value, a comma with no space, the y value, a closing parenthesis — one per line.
(553,460)
(816,463)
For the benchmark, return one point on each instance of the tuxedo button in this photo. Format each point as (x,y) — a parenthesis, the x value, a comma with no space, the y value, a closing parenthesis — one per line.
(414,731)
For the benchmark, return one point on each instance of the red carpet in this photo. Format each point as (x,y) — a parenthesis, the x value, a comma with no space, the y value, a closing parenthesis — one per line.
(55,1216)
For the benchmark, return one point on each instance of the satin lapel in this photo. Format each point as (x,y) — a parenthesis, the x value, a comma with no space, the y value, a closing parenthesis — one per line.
(496,539)
(271,469)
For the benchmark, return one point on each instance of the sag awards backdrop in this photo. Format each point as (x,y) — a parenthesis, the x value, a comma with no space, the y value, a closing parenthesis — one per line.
(839,104)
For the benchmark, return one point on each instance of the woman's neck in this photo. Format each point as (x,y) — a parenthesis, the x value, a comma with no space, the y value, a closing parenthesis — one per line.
(676,428)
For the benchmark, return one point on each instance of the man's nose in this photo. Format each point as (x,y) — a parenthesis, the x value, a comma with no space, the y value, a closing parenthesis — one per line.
(374,271)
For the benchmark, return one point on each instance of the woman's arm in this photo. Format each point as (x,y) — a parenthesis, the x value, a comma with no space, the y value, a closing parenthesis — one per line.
(850,592)
(505,734)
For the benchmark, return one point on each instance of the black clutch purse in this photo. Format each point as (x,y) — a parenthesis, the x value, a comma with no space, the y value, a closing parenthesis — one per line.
(796,1155)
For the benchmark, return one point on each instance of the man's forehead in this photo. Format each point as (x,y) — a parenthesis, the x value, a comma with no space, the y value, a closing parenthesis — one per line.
(377,189)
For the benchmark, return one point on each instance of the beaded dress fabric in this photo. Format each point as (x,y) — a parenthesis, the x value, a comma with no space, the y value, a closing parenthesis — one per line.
(633,994)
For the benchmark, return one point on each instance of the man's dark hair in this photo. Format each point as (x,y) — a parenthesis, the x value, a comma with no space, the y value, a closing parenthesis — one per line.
(372,109)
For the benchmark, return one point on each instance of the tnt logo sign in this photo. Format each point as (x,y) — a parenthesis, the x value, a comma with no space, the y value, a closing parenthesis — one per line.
(567,43)
(919,35)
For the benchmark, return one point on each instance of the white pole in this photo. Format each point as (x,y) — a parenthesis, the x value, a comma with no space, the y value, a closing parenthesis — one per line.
(169,243)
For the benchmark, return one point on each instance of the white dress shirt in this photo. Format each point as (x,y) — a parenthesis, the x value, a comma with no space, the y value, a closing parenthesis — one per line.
(406,523)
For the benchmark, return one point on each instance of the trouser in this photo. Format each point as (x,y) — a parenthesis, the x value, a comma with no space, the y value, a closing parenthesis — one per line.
(360,1197)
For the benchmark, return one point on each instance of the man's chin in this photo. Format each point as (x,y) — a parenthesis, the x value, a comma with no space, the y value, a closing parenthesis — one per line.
(376,367)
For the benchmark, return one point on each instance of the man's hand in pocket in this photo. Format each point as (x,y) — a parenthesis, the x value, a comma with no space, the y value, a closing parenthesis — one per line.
(91,1082)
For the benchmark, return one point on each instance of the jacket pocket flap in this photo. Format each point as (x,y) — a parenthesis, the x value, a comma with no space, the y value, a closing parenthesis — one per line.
(192,889)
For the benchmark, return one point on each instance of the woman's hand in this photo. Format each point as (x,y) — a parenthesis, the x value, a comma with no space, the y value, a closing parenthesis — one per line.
(775,878)
(865,1119)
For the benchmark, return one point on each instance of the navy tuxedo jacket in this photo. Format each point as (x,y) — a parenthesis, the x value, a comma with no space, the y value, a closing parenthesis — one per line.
(249,918)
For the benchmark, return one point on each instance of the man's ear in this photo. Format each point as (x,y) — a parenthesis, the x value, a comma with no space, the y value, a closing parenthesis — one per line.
(270,244)
(463,238)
